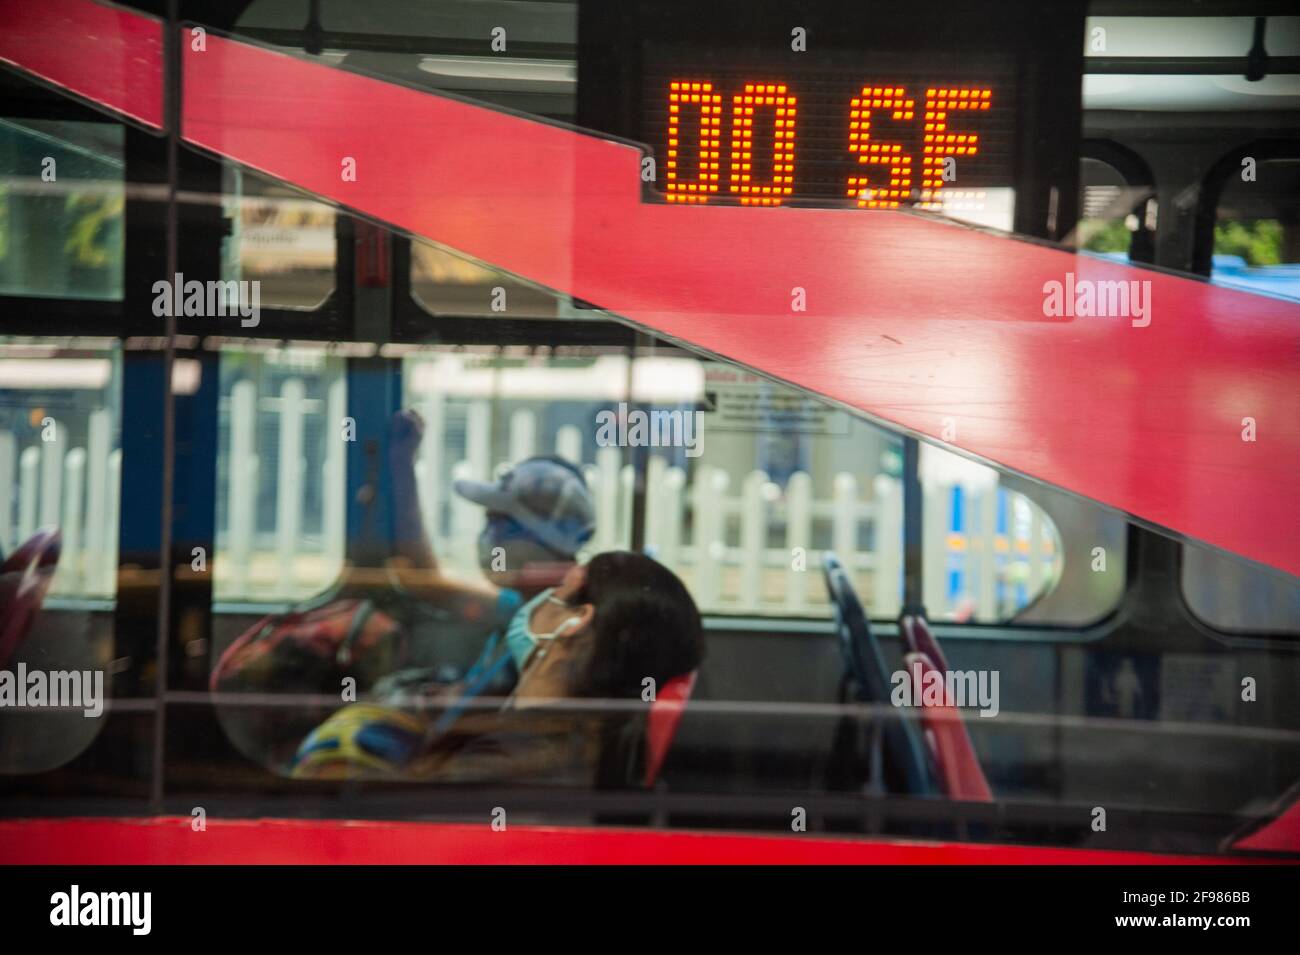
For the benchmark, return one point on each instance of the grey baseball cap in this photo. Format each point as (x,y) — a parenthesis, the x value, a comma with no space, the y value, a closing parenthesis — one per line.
(546,495)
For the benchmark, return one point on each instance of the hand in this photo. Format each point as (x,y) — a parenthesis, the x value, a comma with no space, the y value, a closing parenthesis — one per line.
(405,433)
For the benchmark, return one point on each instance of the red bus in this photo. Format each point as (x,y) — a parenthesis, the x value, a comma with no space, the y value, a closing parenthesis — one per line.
(914,391)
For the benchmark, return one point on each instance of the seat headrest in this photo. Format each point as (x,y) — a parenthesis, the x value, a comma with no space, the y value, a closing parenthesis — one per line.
(661,725)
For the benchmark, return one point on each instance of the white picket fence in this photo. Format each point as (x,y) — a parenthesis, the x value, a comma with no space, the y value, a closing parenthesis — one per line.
(718,534)
(255,563)
(742,546)
(693,528)
(49,484)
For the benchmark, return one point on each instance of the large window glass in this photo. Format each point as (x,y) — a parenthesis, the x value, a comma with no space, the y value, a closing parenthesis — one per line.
(60,456)
(447,284)
(347,632)
(280,473)
(747,484)
(1118,218)
(1257,228)
(1237,598)
(61,202)
(60,476)
(777,481)
(486,410)
(1001,549)
(280,239)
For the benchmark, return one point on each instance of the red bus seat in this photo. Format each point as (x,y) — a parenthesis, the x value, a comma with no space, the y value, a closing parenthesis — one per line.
(916,634)
(954,757)
(661,725)
(25,576)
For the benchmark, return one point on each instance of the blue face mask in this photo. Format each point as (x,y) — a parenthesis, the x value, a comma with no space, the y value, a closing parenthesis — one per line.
(520,638)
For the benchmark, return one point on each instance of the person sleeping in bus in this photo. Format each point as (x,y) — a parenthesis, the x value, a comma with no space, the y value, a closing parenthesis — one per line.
(539,515)
(590,653)
(433,632)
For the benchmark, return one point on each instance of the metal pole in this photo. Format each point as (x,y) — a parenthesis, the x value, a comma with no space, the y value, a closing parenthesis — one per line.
(172,100)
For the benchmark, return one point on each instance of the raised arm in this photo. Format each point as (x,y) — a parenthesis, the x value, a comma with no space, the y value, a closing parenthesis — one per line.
(416,562)
(410,538)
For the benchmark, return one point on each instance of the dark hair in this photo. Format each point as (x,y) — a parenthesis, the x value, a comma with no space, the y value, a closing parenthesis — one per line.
(645,625)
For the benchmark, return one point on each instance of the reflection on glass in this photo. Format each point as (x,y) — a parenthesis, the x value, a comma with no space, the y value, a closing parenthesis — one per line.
(60,457)
(61,203)
(60,476)
(748,482)
(485,412)
(779,479)
(1236,597)
(988,552)
(447,284)
(280,474)
(1117,218)
(1257,229)
(280,239)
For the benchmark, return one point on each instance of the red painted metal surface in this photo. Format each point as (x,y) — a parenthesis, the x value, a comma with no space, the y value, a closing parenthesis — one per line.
(916,322)
(172,841)
(910,320)
(110,56)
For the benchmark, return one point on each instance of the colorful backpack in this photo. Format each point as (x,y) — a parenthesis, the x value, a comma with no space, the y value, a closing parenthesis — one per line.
(313,650)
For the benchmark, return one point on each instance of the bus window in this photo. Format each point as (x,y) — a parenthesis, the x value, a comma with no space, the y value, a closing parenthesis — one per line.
(773,481)
(280,473)
(280,239)
(747,483)
(988,552)
(1257,228)
(1118,217)
(1235,597)
(487,409)
(61,201)
(60,456)
(312,649)
(446,284)
(998,549)
(60,468)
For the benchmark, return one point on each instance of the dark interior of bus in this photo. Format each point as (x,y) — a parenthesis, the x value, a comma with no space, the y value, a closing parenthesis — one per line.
(1141,671)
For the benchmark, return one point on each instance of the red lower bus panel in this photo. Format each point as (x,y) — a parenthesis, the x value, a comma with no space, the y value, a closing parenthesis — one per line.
(171,841)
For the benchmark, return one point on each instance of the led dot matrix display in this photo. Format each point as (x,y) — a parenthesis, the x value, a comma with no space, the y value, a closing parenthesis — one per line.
(882,138)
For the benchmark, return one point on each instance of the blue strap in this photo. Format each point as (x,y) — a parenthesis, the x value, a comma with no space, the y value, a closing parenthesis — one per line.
(485,669)
(479,678)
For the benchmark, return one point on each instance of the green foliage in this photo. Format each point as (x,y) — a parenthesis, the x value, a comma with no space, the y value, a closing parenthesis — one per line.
(1105,235)
(87,239)
(1258,241)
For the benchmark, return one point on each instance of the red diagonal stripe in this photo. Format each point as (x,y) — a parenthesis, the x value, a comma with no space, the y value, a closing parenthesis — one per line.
(110,56)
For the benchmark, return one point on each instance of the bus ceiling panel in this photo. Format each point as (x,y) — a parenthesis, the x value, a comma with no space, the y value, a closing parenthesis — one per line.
(1177,408)
(111,57)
